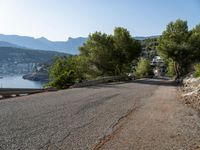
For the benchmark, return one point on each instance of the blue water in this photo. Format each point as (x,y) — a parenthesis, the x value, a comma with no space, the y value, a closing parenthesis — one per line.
(18,82)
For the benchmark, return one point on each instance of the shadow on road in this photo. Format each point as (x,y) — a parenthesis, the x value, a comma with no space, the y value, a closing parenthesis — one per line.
(150,81)
(159,82)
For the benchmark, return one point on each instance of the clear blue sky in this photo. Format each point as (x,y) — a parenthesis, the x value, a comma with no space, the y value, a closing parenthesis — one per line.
(60,19)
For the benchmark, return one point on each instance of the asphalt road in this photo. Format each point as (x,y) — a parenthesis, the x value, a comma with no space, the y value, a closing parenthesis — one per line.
(74,119)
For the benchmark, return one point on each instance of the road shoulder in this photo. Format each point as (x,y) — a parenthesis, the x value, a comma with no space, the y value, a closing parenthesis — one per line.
(161,123)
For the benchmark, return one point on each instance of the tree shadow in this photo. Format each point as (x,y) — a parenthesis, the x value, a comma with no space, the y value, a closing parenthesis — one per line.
(159,82)
(147,81)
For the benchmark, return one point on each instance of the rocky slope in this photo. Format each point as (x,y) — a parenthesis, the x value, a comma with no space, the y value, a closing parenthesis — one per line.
(42,76)
(190,92)
(39,73)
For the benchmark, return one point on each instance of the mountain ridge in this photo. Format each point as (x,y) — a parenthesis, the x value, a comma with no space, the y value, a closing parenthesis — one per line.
(70,46)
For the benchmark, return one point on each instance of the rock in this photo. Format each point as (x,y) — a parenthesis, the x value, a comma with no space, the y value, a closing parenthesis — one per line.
(42,76)
(190,92)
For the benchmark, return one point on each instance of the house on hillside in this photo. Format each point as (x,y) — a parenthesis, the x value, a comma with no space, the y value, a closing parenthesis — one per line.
(159,66)
(156,61)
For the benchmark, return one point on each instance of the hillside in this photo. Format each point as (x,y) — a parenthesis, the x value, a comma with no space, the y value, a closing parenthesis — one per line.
(141,38)
(21,61)
(7,44)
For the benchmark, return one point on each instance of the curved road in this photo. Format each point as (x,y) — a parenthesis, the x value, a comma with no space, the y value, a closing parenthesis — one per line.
(133,115)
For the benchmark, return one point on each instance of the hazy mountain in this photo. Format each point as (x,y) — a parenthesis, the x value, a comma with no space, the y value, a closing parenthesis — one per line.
(140,38)
(6,44)
(70,46)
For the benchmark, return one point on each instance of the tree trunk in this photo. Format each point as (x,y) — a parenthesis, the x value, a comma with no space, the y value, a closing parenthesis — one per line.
(175,69)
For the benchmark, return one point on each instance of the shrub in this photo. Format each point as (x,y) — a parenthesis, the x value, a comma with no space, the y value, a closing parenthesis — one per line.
(197,70)
(67,71)
(64,80)
(143,68)
(170,69)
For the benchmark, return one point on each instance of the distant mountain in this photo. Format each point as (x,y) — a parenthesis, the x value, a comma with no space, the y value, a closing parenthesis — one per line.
(141,38)
(6,44)
(70,46)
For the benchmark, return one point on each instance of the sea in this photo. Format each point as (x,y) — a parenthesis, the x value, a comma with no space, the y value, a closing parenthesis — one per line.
(16,81)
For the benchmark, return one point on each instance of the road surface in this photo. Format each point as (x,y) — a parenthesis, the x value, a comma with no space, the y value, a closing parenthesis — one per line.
(117,116)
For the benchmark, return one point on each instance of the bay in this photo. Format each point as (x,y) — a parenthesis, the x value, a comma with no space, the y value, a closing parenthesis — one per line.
(18,82)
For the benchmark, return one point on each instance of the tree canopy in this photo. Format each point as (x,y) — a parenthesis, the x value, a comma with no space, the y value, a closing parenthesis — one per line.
(101,55)
(194,42)
(174,45)
(111,54)
(104,55)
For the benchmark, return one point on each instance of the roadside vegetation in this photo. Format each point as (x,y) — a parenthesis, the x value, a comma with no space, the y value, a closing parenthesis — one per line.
(149,47)
(119,54)
(170,69)
(197,70)
(180,46)
(143,68)
(69,70)
(102,55)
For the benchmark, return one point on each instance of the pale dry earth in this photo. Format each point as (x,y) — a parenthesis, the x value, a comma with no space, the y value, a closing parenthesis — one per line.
(190,92)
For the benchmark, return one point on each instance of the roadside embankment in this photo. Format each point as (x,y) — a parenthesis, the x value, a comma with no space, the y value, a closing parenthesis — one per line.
(190,92)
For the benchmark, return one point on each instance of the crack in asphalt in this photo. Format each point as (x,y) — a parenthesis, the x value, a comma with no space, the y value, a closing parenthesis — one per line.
(49,143)
(115,128)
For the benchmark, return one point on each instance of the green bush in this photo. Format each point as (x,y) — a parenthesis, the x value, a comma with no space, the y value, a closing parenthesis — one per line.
(197,70)
(67,71)
(64,80)
(170,69)
(143,68)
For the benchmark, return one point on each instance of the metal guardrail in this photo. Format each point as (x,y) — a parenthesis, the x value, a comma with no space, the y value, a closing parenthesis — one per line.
(14,92)
(99,81)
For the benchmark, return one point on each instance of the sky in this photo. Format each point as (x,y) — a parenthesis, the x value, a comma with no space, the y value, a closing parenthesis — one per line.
(59,19)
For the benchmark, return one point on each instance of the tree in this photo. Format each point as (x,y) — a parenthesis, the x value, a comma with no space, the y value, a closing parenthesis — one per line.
(173,45)
(126,49)
(111,54)
(99,51)
(101,55)
(194,42)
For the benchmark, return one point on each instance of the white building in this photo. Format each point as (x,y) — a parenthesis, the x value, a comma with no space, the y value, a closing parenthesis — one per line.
(156,61)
